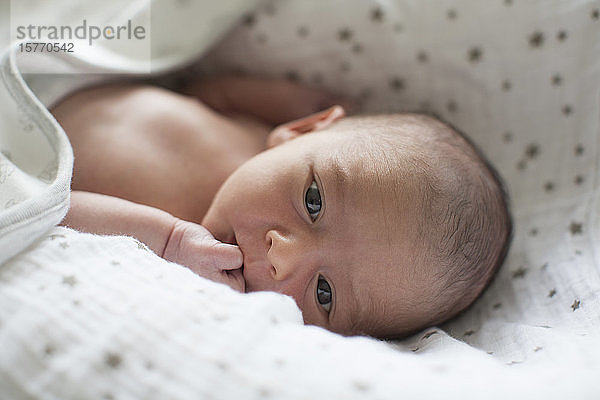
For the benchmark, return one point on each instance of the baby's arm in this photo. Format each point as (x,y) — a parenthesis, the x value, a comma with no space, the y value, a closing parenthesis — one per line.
(274,101)
(108,215)
(171,238)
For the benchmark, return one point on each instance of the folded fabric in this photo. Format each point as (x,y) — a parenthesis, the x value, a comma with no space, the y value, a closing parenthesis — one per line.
(83,316)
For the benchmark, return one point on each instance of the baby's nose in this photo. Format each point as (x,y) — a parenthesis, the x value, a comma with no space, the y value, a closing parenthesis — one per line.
(277,255)
(287,256)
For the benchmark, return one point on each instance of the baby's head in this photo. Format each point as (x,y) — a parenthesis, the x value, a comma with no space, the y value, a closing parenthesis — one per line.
(379,225)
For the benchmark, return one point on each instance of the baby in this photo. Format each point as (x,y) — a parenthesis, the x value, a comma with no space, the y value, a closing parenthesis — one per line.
(379,225)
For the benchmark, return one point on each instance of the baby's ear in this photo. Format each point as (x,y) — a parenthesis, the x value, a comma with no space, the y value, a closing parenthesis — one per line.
(311,123)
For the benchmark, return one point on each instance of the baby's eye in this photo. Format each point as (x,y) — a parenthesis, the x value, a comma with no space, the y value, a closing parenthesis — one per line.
(312,199)
(324,293)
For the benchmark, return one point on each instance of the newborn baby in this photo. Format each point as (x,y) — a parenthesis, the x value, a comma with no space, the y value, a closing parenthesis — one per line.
(379,225)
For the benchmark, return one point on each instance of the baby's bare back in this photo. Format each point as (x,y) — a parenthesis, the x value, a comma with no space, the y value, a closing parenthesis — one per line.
(155,147)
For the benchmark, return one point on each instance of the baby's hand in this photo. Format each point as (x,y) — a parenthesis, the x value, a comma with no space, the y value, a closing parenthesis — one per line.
(193,246)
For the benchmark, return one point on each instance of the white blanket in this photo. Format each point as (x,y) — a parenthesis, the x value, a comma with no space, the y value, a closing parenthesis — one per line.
(83,316)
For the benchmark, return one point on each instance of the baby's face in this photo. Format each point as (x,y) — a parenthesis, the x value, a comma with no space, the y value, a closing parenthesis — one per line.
(316,223)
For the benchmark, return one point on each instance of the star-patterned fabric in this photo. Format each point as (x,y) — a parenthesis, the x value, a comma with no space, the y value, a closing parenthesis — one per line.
(90,317)
(521,79)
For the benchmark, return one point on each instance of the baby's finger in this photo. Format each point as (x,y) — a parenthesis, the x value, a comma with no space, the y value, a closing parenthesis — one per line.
(227,256)
(235,279)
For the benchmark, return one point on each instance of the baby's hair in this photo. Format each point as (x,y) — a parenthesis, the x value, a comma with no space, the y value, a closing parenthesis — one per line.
(466,226)
(475,228)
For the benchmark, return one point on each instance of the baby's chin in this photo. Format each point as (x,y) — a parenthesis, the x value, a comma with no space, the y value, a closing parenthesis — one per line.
(218,227)
(215,219)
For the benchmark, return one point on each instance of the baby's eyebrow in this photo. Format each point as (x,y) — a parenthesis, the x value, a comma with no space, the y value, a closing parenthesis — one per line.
(336,179)
(350,318)
(340,178)
(353,314)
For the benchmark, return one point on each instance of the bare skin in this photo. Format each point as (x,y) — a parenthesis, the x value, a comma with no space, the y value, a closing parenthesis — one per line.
(148,160)
(154,147)
(310,222)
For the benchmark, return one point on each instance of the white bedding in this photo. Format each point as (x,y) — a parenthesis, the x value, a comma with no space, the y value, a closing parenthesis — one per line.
(92,317)
(83,316)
